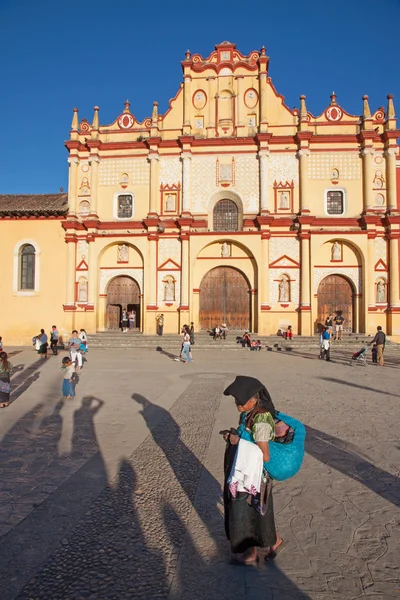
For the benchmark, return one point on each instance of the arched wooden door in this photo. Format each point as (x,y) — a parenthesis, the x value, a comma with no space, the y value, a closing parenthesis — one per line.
(122,292)
(335,294)
(225,298)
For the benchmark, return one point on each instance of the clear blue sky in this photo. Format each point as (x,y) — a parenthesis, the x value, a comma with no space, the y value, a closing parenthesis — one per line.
(58,54)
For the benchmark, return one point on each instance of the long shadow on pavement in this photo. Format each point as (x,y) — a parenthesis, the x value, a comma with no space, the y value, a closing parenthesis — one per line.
(356,385)
(346,459)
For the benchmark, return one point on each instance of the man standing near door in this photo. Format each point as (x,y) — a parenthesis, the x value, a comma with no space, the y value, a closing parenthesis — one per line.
(160,324)
(339,320)
(380,341)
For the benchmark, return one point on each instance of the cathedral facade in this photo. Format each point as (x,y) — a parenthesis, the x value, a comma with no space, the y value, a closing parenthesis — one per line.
(228,208)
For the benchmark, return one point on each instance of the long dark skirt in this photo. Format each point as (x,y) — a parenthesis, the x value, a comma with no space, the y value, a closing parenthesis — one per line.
(244,525)
(43,349)
(4,385)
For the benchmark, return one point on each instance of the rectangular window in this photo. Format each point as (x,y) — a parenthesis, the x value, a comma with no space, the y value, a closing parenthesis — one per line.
(125,205)
(334,203)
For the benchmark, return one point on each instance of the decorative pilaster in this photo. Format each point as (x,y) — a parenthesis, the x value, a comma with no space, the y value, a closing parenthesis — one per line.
(94,161)
(264,279)
(152,272)
(92,272)
(186,158)
(212,89)
(370,275)
(303,156)
(184,305)
(263,78)
(368,177)
(394,300)
(391,178)
(154,159)
(73,184)
(239,101)
(71,268)
(263,157)
(305,289)
(187,84)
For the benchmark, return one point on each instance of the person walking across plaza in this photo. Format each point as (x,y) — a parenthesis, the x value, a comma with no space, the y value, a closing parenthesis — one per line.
(192,333)
(43,341)
(54,335)
(380,342)
(74,352)
(186,345)
(5,384)
(68,378)
(326,344)
(339,320)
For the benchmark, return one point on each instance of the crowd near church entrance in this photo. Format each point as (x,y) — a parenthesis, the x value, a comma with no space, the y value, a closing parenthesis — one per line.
(122,293)
(335,295)
(225,298)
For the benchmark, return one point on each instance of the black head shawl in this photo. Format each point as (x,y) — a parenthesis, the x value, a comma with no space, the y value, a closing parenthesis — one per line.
(244,388)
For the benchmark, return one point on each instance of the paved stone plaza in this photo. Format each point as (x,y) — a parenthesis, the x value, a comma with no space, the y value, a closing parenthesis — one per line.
(117,494)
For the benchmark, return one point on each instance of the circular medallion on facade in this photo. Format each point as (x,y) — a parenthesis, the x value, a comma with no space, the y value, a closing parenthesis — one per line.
(85,168)
(125,121)
(199,99)
(378,159)
(334,113)
(251,98)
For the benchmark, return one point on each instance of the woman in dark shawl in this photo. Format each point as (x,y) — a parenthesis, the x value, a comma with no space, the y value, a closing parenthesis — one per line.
(247,527)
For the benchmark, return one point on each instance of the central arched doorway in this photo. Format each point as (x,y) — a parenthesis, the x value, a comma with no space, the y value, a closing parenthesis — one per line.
(225,298)
(122,292)
(335,294)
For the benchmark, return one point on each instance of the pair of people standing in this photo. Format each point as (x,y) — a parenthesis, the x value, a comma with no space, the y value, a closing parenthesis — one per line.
(336,322)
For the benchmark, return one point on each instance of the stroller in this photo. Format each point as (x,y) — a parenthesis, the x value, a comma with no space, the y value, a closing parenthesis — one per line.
(359,357)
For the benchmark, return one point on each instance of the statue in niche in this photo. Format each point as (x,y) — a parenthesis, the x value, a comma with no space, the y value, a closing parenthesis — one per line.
(225,249)
(381,291)
(123,253)
(82,290)
(170,204)
(284,203)
(336,251)
(284,290)
(169,290)
(335,174)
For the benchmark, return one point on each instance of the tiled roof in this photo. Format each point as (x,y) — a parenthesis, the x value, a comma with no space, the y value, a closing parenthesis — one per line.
(33,204)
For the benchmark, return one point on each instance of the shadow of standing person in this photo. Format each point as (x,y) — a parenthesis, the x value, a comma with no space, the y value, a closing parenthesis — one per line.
(84,438)
(186,462)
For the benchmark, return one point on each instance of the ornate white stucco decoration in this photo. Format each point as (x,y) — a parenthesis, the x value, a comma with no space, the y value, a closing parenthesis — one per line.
(380,248)
(203,181)
(83,249)
(275,275)
(283,167)
(170,171)
(138,170)
(247,183)
(286,246)
(177,276)
(321,165)
(169,248)
(352,273)
(107,274)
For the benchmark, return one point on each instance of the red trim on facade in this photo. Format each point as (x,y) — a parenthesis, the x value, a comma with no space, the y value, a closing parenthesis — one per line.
(108,268)
(164,268)
(275,263)
(69,307)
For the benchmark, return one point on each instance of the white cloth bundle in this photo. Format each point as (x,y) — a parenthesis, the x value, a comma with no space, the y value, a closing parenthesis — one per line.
(247,469)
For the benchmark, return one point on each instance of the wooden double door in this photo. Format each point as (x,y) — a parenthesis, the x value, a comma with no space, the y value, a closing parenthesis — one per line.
(225,298)
(335,295)
(122,293)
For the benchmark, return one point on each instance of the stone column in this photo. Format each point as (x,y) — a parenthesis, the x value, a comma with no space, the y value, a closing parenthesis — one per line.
(368,177)
(94,183)
(370,274)
(71,270)
(239,100)
(211,106)
(394,270)
(391,178)
(263,280)
(154,184)
(73,184)
(184,273)
(152,300)
(263,102)
(92,273)
(186,104)
(263,157)
(303,156)
(186,182)
(305,289)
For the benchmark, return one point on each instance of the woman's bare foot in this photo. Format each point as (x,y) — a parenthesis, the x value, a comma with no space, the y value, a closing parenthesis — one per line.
(247,558)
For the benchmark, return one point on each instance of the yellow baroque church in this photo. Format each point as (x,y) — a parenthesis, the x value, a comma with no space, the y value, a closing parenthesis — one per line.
(229,208)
